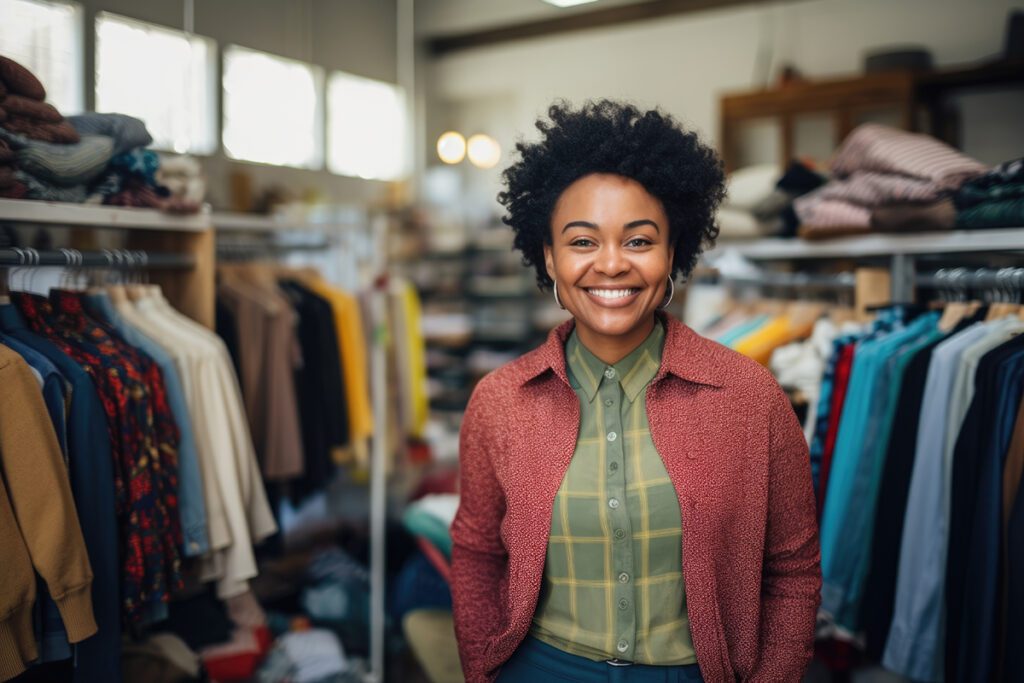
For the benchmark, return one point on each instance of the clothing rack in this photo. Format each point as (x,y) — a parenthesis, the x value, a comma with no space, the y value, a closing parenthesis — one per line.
(107,258)
(360,241)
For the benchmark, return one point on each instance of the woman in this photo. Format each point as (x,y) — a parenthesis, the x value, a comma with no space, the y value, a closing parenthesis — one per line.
(636,501)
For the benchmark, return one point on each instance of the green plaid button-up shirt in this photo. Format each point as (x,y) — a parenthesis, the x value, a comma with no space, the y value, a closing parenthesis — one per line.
(613,582)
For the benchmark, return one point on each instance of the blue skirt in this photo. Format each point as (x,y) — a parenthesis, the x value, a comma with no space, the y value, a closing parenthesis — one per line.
(535,661)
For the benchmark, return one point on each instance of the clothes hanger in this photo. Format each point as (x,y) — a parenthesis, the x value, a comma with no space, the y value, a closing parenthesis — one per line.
(956,310)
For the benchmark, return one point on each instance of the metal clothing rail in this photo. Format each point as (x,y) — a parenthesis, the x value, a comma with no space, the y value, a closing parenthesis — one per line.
(1009,281)
(784,280)
(107,258)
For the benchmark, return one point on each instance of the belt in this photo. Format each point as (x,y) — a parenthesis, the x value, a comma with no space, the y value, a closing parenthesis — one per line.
(617,662)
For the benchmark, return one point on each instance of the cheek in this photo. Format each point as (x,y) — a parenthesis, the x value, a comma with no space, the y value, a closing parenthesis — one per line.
(570,266)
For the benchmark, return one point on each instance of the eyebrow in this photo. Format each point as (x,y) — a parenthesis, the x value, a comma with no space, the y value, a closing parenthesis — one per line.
(629,226)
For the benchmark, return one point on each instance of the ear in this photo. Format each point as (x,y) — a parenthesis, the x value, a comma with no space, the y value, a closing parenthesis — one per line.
(549,260)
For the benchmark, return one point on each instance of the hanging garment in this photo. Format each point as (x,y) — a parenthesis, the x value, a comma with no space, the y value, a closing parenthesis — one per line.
(92,484)
(268,358)
(856,468)
(999,382)
(247,512)
(916,638)
(319,384)
(191,503)
(36,532)
(145,463)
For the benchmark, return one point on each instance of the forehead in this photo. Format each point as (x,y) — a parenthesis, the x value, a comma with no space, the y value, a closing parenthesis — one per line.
(607,195)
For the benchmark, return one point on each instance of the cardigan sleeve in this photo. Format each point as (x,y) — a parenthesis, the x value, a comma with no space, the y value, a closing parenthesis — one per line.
(40,498)
(791,574)
(479,558)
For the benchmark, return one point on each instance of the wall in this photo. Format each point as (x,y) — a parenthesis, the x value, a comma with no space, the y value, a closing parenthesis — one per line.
(356,36)
(684,63)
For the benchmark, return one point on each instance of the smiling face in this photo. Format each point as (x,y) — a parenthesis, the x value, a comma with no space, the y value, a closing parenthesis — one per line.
(611,257)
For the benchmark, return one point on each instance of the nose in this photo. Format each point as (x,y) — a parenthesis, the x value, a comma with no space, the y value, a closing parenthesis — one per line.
(611,261)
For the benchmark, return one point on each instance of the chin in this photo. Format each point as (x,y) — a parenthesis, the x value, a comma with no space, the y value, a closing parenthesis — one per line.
(615,324)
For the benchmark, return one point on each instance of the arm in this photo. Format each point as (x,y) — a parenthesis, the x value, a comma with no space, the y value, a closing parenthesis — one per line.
(40,495)
(478,556)
(791,576)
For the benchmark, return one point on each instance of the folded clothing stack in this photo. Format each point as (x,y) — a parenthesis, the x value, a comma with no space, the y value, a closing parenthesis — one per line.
(96,158)
(759,200)
(886,179)
(994,200)
(23,107)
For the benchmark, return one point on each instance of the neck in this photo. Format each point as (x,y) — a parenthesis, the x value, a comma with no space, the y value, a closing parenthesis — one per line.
(613,348)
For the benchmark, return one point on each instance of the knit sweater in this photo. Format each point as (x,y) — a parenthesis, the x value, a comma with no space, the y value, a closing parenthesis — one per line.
(39,529)
(736,456)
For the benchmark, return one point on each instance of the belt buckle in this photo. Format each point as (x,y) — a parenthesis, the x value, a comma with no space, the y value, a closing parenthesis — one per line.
(617,662)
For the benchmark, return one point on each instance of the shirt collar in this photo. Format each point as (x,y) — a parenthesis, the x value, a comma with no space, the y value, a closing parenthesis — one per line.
(685,355)
(632,372)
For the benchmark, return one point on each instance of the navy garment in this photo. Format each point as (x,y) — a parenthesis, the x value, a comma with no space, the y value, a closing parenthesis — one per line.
(887,536)
(90,472)
(535,661)
(1014,664)
(977,627)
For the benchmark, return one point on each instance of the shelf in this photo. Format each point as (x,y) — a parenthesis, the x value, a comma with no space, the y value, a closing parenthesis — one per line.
(1002,239)
(98,216)
(233,221)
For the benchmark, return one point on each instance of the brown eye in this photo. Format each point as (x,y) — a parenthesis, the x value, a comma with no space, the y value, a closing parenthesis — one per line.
(639,242)
(581,242)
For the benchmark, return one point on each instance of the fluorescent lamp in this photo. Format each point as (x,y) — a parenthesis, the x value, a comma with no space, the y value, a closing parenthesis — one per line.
(568,3)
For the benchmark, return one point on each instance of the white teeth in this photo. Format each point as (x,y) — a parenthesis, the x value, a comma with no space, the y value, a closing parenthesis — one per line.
(612,293)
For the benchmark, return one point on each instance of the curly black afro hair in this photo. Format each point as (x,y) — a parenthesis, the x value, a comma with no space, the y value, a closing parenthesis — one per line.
(605,136)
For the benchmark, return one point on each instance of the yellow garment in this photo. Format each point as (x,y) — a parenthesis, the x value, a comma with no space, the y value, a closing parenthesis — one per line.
(411,356)
(348,322)
(773,334)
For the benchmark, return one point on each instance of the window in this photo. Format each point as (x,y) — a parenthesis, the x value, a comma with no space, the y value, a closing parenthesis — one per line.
(272,111)
(163,76)
(46,38)
(366,132)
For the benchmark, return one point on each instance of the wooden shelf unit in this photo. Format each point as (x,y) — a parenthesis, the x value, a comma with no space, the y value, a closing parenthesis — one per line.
(190,291)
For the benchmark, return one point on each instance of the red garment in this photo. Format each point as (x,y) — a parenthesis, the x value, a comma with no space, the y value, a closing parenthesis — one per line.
(840,383)
(737,457)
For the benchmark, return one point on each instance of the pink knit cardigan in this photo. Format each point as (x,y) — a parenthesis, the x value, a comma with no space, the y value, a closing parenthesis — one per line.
(737,457)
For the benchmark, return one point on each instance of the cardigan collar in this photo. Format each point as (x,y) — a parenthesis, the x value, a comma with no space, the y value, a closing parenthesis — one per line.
(686,355)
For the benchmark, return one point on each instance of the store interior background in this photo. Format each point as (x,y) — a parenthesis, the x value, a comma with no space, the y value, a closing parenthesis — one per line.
(480,307)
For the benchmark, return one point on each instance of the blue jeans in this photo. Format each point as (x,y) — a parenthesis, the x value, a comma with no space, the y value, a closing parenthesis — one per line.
(537,662)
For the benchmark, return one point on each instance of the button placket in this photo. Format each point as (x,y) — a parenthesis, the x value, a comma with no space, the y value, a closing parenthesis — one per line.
(611,394)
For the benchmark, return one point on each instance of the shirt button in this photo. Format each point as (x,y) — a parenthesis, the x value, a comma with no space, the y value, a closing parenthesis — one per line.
(193,546)
(612,436)
(620,534)
(623,577)
(613,503)
(608,402)
(609,373)
(623,603)
(613,466)
(622,646)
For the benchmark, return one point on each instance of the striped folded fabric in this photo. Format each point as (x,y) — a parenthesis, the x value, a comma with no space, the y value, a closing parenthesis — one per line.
(67,165)
(873,147)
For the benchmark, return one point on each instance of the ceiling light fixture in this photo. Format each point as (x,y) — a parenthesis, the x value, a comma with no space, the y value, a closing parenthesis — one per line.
(451,147)
(484,151)
(568,3)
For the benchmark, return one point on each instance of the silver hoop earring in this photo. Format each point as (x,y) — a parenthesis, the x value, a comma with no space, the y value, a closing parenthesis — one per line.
(557,300)
(671,293)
